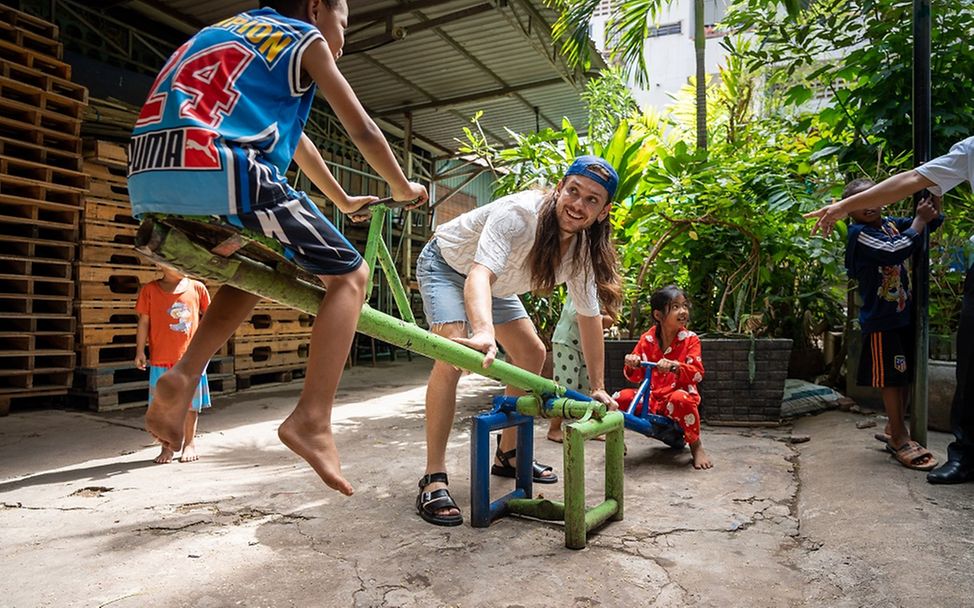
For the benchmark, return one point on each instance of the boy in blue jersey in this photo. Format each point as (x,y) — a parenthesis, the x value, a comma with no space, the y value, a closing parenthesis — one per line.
(876,255)
(220,126)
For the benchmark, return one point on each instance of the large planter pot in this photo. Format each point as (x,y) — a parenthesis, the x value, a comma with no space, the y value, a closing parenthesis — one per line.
(729,395)
(943,347)
(734,394)
(941,384)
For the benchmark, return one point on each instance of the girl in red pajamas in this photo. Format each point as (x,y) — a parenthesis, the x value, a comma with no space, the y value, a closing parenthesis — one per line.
(679,368)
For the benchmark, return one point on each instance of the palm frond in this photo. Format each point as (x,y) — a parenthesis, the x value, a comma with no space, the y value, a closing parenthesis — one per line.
(572,29)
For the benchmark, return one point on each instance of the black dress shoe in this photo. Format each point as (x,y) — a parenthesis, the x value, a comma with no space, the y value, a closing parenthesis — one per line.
(951,471)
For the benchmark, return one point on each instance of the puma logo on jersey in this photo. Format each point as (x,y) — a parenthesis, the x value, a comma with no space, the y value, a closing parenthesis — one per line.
(186,148)
(192,144)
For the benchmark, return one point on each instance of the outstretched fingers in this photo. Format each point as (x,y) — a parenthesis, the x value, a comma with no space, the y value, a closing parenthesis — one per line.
(826,217)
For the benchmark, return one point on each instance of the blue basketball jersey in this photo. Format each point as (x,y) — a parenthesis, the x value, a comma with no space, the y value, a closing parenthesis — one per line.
(223,119)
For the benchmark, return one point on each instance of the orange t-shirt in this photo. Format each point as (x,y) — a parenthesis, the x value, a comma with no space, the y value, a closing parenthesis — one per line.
(173,318)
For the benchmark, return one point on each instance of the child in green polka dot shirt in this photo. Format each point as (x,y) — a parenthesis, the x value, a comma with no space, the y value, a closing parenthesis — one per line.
(569,362)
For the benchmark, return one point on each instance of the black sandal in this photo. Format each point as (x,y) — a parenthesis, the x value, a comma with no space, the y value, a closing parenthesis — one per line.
(428,503)
(506,469)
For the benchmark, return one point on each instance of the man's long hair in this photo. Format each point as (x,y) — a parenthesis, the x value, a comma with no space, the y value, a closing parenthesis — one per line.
(545,256)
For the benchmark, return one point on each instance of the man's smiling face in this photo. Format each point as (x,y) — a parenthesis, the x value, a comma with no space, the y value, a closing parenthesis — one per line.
(581,202)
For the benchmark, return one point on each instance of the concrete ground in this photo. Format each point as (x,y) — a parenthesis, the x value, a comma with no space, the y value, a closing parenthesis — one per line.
(87,519)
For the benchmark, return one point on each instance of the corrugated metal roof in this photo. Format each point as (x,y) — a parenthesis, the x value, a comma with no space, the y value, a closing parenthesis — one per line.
(491,55)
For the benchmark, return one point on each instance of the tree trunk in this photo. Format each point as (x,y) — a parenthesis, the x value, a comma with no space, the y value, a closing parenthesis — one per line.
(700,45)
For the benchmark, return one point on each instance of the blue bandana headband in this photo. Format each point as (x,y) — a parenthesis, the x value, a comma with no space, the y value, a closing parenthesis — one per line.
(583,166)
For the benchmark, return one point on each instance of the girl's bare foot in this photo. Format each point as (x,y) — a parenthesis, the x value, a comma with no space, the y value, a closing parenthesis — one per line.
(556,434)
(189,453)
(314,442)
(166,414)
(164,457)
(700,458)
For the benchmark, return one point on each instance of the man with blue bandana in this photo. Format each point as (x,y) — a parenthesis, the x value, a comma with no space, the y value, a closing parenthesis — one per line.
(470,275)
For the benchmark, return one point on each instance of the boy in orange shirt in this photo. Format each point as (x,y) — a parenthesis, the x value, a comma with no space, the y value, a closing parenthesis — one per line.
(169,313)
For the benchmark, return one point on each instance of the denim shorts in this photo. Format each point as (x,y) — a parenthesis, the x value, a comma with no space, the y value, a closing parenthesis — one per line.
(442,289)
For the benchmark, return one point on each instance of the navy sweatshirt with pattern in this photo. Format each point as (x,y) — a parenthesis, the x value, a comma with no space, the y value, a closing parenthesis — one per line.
(877,257)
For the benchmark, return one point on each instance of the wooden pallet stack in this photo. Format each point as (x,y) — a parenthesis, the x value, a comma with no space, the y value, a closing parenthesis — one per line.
(41,191)
(272,345)
(109,275)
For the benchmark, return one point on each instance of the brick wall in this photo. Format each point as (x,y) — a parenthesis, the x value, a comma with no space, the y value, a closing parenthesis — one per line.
(727,393)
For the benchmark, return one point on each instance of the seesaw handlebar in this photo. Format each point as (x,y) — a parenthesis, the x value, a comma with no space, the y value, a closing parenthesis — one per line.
(388,203)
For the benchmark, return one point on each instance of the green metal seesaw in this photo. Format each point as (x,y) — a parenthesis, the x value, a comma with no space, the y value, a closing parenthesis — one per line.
(212,249)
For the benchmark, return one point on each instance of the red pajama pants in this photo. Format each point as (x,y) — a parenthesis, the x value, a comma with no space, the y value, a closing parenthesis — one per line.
(679,406)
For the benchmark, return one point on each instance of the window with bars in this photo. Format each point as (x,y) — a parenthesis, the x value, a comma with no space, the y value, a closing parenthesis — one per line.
(604,9)
(666,29)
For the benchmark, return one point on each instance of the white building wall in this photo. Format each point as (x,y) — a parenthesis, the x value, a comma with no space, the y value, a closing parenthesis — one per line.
(670,57)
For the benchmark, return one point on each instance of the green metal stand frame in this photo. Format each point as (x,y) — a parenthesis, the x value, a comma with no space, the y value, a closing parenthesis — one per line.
(579,520)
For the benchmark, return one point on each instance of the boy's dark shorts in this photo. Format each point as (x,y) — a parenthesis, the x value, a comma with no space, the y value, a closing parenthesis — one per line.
(887,358)
(309,239)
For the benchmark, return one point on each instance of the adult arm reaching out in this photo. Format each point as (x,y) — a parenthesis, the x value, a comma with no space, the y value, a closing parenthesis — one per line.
(477,299)
(593,348)
(887,191)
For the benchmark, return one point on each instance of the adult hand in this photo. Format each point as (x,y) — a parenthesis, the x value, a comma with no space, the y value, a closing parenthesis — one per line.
(140,360)
(937,202)
(482,342)
(603,397)
(826,217)
(412,192)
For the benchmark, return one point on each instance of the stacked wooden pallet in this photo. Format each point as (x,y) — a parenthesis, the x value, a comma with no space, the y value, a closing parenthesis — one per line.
(109,274)
(272,345)
(41,190)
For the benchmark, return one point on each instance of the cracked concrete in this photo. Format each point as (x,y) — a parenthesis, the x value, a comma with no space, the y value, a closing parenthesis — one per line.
(88,520)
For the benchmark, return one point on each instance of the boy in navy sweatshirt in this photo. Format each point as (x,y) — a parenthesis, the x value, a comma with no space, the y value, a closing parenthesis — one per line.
(877,255)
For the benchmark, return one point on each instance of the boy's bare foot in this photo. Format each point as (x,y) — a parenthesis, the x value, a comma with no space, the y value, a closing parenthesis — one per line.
(189,453)
(700,458)
(164,457)
(314,442)
(166,414)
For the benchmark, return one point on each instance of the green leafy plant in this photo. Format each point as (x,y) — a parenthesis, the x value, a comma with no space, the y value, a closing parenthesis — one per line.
(726,223)
(540,159)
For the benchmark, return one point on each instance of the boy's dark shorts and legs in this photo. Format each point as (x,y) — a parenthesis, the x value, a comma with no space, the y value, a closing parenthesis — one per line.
(313,243)
(887,358)
(886,362)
